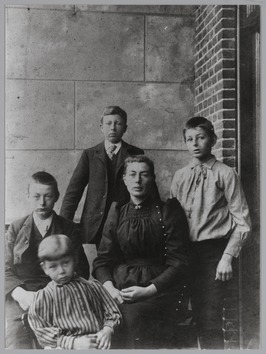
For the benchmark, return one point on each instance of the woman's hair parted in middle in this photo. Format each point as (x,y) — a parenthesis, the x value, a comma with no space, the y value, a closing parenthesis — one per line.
(140,158)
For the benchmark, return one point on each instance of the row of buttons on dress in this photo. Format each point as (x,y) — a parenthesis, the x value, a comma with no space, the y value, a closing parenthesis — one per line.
(163,227)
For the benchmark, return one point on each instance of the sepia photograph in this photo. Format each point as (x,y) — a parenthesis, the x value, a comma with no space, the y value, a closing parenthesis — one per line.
(132,176)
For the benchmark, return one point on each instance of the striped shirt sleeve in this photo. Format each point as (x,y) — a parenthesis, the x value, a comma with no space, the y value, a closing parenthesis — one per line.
(106,304)
(41,321)
(59,314)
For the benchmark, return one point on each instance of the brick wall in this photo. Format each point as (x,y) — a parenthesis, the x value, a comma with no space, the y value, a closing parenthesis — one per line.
(215,99)
(215,75)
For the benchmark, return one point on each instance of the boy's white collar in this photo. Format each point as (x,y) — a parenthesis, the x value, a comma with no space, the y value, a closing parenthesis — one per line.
(209,163)
(43,225)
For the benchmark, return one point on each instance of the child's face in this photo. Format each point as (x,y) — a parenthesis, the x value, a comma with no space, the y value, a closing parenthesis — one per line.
(42,198)
(61,270)
(199,143)
(113,128)
(138,179)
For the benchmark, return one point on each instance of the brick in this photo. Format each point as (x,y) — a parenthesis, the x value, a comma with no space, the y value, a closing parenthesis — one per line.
(229,161)
(214,98)
(219,105)
(226,94)
(211,109)
(229,13)
(228,134)
(229,124)
(227,74)
(226,54)
(224,63)
(229,63)
(228,43)
(229,104)
(226,23)
(227,114)
(229,153)
(229,83)
(204,77)
(229,53)
(226,34)
(214,60)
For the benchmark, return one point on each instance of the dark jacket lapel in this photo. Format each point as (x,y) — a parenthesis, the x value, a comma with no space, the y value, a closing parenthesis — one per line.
(100,153)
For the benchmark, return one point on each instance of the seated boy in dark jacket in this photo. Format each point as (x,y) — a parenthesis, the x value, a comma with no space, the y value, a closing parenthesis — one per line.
(23,274)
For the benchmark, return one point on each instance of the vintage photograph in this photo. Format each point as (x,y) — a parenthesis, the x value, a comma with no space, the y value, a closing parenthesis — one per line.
(132,176)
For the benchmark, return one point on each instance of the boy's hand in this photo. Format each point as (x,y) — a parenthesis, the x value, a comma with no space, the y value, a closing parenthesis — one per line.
(86,342)
(104,338)
(115,293)
(135,293)
(224,269)
(23,297)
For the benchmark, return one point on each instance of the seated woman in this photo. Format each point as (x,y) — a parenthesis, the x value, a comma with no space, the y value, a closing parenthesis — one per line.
(142,259)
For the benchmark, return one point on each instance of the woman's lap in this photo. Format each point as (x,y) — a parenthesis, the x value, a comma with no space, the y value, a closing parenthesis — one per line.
(143,322)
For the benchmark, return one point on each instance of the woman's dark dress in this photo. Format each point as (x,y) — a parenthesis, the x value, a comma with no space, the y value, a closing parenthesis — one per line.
(143,246)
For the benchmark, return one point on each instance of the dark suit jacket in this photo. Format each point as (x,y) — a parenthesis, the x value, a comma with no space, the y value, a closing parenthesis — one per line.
(92,171)
(18,240)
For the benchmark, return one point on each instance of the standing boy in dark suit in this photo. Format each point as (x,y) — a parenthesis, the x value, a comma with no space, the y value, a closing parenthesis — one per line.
(23,273)
(101,168)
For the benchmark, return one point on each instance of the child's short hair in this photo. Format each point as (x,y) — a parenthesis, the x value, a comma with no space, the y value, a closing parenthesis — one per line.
(114,110)
(45,178)
(55,247)
(139,158)
(200,122)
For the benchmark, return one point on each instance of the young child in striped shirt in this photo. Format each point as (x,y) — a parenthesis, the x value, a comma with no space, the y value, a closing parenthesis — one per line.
(70,312)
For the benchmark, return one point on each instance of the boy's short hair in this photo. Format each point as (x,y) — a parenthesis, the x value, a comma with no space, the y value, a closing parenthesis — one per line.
(200,122)
(139,158)
(43,177)
(55,247)
(110,110)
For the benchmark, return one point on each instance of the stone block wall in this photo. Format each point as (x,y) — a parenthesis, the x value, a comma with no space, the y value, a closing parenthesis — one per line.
(65,63)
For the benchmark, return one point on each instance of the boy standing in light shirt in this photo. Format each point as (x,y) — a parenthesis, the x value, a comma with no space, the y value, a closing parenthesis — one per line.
(219,223)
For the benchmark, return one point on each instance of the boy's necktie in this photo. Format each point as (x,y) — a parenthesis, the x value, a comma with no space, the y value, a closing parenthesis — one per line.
(110,151)
(201,172)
